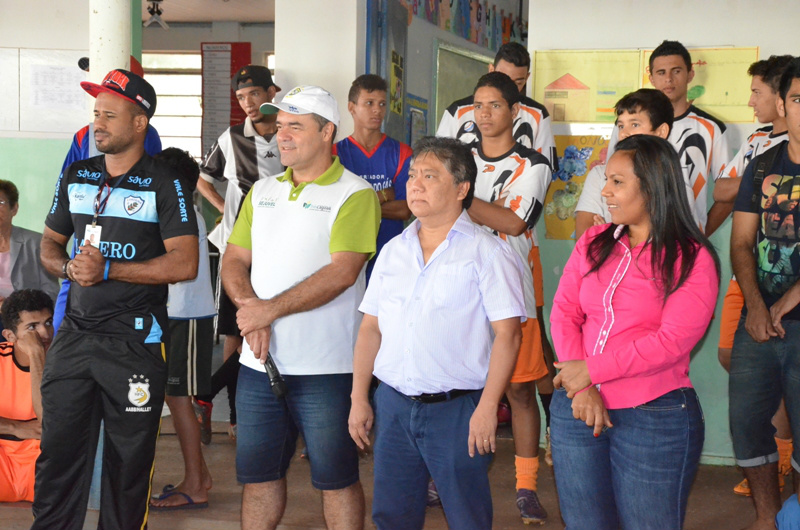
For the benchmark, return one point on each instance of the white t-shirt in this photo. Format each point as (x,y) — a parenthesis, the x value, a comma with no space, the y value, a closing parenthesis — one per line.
(194,298)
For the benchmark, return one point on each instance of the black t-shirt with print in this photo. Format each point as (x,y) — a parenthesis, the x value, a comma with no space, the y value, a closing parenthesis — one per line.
(777,240)
(144,208)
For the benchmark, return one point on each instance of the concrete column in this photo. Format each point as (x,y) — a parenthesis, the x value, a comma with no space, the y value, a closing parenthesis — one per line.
(321,43)
(109,37)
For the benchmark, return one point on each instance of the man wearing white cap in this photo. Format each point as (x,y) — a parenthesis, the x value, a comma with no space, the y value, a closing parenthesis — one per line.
(294,267)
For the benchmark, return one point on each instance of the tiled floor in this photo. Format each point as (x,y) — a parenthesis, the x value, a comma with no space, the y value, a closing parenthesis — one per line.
(712,505)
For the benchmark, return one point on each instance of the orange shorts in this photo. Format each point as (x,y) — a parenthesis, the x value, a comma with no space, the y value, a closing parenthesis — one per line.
(732,306)
(535,261)
(530,361)
(17,470)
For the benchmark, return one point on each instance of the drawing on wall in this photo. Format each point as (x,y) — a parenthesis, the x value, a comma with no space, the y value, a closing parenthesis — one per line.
(478,21)
(396,84)
(584,85)
(581,154)
(567,99)
(720,86)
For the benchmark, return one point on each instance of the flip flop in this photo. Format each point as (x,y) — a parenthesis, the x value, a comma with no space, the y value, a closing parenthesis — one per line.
(190,504)
(167,489)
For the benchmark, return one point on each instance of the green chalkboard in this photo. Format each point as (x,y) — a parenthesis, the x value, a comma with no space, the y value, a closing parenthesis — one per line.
(457,72)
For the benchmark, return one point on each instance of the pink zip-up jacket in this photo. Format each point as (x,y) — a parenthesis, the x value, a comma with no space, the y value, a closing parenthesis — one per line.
(636,347)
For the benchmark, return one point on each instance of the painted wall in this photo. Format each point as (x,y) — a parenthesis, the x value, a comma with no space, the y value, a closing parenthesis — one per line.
(327,50)
(33,160)
(619,24)
(421,57)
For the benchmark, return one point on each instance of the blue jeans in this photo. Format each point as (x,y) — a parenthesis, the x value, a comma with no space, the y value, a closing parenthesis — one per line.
(317,406)
(762,374)
(638,473)
(416,440)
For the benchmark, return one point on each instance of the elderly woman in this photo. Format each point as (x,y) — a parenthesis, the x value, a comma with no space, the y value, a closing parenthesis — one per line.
(20,267)
(636,296)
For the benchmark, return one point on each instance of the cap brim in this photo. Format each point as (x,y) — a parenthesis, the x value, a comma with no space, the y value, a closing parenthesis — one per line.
(273,108)
(94,90)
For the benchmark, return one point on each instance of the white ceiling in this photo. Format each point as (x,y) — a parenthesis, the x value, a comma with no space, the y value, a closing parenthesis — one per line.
(214,10)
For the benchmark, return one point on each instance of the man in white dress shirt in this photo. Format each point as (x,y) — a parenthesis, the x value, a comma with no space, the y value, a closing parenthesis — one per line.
(447,297)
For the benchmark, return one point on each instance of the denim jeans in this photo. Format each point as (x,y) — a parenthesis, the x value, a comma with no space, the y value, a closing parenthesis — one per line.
(416,440)
(317,406)
(762,374)
(636,474)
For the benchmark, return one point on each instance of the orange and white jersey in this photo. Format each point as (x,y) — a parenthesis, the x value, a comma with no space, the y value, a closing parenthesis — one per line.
(520,177)
(702,146)
(758,142)
(531,126)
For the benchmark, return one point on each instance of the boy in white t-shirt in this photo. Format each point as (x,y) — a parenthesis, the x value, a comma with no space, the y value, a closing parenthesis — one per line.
(645,111)
(191,339)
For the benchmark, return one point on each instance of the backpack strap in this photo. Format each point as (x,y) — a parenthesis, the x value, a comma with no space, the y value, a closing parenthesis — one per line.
(765,161)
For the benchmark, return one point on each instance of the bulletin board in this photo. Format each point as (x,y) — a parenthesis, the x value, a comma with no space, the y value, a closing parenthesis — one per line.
(41,90)
(582,86)
(220,107)
(457,73)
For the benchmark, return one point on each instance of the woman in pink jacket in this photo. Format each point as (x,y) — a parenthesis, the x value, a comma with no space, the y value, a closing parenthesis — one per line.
(635,297)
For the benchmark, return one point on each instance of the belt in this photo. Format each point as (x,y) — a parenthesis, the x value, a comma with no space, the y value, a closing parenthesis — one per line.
(441,396)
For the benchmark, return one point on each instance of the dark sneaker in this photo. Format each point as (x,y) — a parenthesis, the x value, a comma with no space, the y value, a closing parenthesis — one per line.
(530,509)
(202,410)
(433,495)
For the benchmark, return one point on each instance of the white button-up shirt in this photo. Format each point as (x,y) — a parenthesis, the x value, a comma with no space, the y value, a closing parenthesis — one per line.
(435,318)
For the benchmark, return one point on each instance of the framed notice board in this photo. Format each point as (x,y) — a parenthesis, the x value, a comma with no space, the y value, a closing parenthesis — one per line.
(457,73)
(220,109)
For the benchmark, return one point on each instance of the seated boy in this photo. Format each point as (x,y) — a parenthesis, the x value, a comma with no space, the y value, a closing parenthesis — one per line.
(28,319)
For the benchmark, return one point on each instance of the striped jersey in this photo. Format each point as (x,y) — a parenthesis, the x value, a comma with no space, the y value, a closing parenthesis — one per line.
(758,142)
(520,177)
(531,126)
(702,146)
(240,156)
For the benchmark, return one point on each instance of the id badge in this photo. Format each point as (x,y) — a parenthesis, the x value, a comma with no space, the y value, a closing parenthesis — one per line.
(92,235)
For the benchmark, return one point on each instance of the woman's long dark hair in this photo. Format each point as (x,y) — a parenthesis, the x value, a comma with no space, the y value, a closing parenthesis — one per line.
(674,234)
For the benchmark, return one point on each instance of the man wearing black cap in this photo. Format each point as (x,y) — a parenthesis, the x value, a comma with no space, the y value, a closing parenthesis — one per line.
(136,232)
(242,155)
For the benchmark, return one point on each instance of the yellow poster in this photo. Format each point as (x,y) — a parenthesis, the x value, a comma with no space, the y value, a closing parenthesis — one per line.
(721,85)
(580,155)
(584,85)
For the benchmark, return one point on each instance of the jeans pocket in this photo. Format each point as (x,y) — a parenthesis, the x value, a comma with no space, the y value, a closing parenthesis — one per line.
(671,401)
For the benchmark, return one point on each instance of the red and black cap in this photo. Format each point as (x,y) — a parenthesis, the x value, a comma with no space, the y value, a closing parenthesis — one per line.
(253,75)
(127,85)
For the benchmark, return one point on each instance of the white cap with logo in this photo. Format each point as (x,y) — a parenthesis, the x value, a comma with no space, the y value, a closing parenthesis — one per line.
(306,100)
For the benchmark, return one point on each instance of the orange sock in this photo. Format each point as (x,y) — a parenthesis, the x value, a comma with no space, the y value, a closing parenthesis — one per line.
(527,472)
(784,455)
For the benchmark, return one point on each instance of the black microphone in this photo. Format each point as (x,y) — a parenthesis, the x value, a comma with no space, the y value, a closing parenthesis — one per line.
(276,381)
